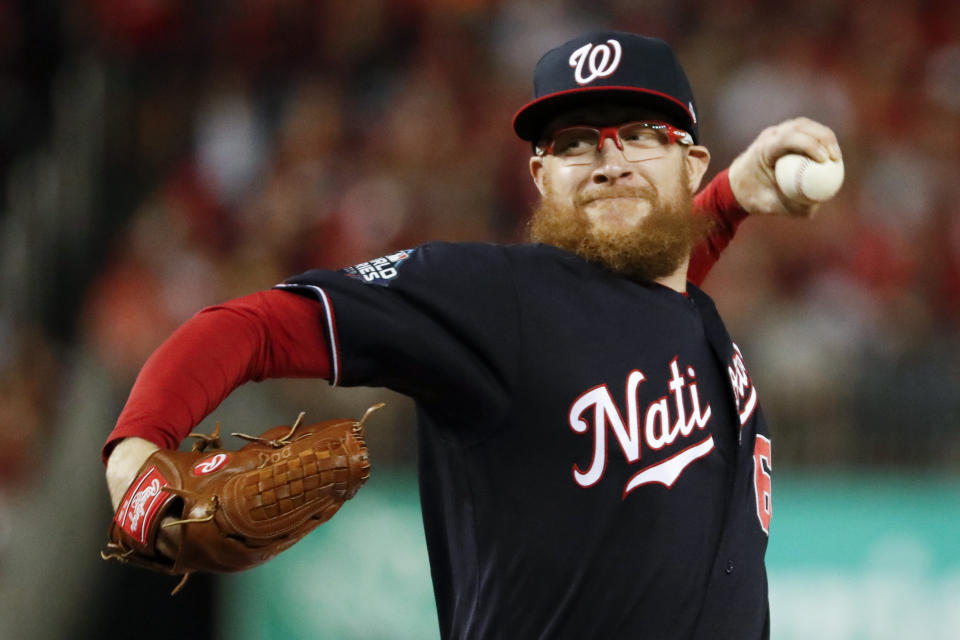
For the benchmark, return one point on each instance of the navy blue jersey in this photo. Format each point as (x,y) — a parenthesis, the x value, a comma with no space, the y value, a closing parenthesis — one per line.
(593,460)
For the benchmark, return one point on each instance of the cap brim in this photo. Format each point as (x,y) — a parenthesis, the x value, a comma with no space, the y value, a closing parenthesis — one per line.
(533,116)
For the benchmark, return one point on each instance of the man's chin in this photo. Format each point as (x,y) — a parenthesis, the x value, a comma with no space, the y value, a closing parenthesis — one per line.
(613,214)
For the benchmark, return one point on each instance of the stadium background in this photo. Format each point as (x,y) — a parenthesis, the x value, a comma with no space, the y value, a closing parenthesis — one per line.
(158,156)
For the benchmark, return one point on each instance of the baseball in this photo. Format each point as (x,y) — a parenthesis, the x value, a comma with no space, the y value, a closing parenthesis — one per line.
(804,179)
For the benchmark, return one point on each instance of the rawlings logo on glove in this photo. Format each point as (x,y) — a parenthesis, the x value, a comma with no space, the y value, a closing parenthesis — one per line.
(145,488)
(236,510)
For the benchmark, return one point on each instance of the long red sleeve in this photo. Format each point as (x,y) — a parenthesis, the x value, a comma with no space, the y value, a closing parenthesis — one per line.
(717,200)
(270,334)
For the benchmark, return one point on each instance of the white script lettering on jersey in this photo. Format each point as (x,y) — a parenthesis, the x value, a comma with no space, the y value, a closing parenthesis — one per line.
(663,421)
(600,59)
(744,393)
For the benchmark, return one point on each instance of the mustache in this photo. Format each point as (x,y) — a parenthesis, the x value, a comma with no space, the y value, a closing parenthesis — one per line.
(602,192)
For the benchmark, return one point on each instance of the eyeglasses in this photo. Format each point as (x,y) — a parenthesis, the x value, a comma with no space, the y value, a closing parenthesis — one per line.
(637,140)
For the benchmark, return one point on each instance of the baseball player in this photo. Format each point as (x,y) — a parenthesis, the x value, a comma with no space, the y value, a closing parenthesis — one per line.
(593,460)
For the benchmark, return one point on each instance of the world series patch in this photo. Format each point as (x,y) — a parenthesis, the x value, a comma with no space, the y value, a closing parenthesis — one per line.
(380,271)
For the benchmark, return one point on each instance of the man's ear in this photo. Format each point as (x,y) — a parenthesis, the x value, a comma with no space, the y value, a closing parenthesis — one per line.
(539,173)
(697,159)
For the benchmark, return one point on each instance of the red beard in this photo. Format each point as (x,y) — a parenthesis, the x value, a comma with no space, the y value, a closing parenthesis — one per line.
(654,248)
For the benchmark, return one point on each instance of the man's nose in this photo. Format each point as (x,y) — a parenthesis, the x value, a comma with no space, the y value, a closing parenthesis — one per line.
(612,166)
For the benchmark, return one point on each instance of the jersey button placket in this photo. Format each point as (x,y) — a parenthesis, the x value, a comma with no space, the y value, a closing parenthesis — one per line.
(729,568)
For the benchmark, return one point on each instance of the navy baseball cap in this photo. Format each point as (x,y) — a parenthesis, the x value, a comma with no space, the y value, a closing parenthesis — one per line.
(608,67)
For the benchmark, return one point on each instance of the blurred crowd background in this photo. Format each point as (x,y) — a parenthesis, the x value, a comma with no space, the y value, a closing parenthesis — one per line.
(159,156)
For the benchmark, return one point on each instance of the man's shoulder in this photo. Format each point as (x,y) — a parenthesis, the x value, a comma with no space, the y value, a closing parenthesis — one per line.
(453,264)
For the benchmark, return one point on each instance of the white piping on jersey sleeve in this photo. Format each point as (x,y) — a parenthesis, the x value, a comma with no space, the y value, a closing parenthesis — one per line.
(331,326)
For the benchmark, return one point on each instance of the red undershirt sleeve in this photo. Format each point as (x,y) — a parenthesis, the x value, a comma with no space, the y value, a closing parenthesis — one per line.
(270,334)
(718,201)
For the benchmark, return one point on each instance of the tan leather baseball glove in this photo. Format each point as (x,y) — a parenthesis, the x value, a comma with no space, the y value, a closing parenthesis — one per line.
(233,510)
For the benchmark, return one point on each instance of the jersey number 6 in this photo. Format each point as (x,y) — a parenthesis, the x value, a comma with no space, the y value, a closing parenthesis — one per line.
(762,464)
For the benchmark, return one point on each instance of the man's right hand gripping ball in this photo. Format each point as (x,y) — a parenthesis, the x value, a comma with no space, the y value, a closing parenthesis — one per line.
(213,510)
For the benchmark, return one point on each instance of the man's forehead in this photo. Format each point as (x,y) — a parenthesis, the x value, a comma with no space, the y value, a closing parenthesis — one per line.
(602,115)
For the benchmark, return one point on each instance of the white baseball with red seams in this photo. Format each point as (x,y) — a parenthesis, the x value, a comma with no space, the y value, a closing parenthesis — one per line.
(803,179)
